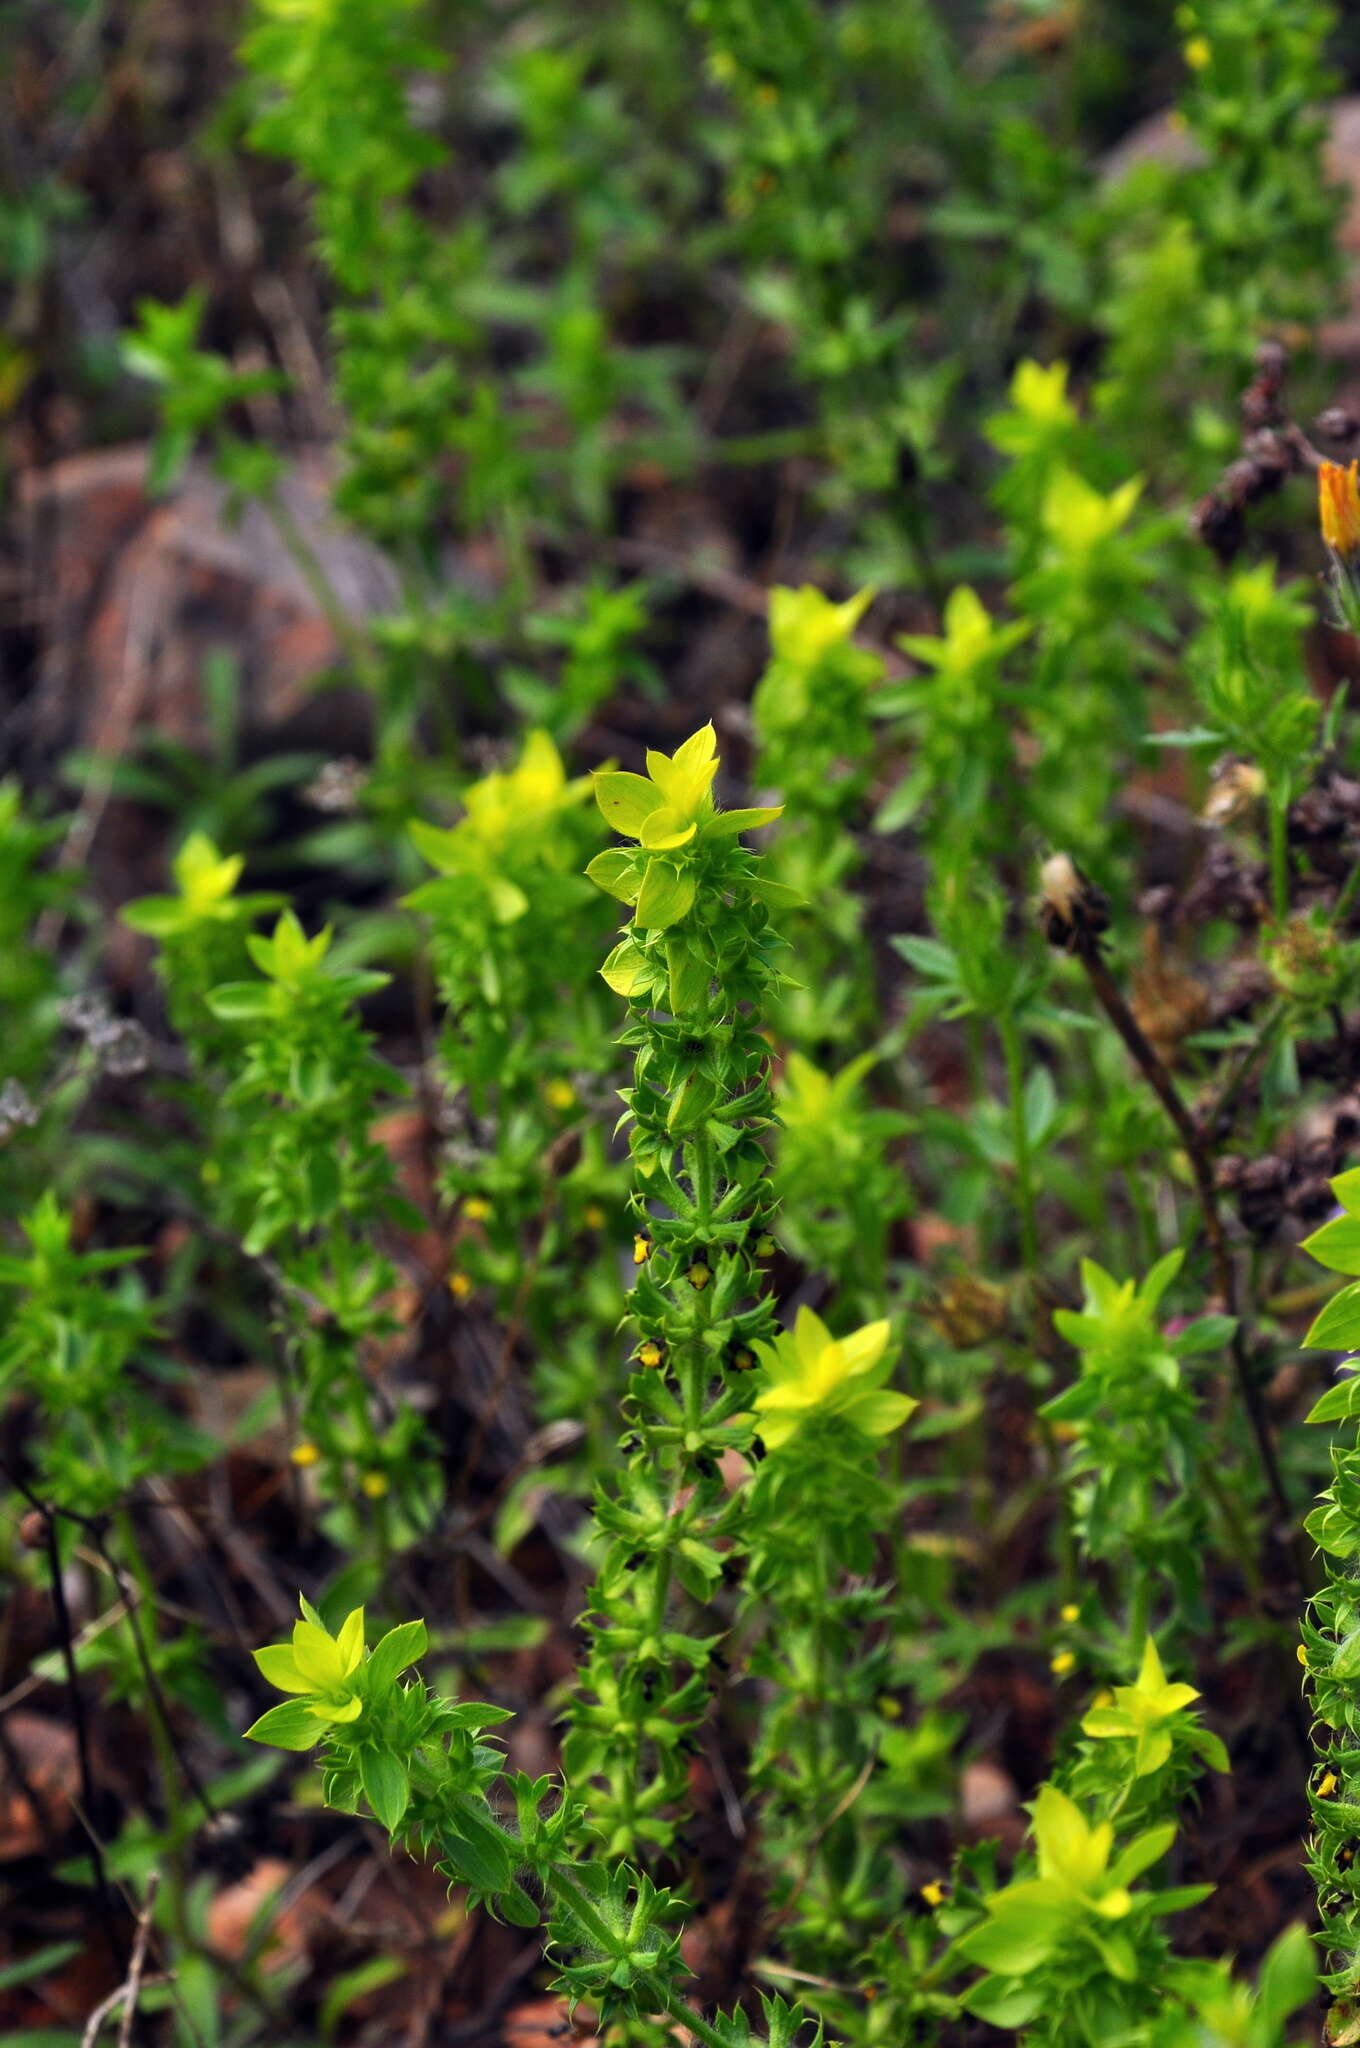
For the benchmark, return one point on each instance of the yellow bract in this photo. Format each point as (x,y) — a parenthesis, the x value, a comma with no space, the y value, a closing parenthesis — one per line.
(811,1373)
(1074,1856)
(805,625)
(206,877)
(508,821)
(509,802)
(971,637)
(665,808)
(318,1666)
(1080,517)
(1136,1712)
(1040,393)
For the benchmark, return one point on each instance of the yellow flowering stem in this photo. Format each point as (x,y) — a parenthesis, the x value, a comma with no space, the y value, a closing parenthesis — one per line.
(694,964)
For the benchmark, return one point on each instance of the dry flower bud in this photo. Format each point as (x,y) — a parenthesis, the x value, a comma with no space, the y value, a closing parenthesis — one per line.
(1072,911)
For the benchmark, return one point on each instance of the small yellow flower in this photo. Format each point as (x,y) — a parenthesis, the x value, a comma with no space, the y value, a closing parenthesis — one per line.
(1071,1612)
(594,1217)
(206,878)
(1339,507)
(642,1250)
(1138,1713)
(374,1484)
(742,1359)
(805,626)
(698,1275)
(811,1374)
(1302,1655)
(560,1095)
(1198,52)
(649,1353)
(476,1209)
(936,1892)
(1080,518)
(305,1454)
(1062,1663)
(672,803)
(319,1668)
(765,1246)
(460,1286)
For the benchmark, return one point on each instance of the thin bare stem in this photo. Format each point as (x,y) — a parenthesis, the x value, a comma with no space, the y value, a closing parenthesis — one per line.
(1111,1000)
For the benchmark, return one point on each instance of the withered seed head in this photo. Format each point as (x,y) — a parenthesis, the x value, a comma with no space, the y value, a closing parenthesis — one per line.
(1072,911)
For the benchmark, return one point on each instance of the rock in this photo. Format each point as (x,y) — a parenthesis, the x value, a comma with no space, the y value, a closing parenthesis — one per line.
(35,1803)
(133,594)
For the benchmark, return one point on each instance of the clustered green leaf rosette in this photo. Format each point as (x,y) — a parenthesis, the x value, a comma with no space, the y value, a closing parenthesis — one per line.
(697,966)
(1330,1650)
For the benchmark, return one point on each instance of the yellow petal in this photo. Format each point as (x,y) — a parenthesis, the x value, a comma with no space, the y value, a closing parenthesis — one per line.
(777,1431)
(317,1657)
(665,828)
(877,1414)
(336,1710)
(350,1641)
(863,1348)
(790,1394)
(811,1338)
(279,1666)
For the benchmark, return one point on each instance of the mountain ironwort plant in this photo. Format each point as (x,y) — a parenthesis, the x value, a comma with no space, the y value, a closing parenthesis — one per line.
(418,1760)
(696,966)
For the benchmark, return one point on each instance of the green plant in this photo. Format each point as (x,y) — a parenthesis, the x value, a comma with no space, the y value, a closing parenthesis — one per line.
(415,1757)
(695,965)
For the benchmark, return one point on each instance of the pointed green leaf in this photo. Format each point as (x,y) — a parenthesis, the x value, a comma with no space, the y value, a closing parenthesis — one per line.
(666,895)
(290,1725)
(387,1787)
(1337,1327)
(239,1001)
(1336,1245)
(616,871)
(1015,1943)
(394,1652)
(1339,1402)
(732,822)
(624,968)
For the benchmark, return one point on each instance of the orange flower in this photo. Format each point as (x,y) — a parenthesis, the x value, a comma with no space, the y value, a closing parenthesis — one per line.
(1339,507)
